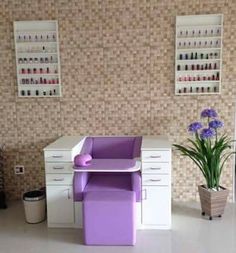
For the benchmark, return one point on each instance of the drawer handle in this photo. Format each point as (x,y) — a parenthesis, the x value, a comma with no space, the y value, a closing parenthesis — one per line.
(153,168)
(57,156)
(155,156)
(155,180)
(58,179)
(58,168)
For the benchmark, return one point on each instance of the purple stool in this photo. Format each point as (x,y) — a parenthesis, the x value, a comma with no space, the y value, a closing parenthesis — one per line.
(109,218)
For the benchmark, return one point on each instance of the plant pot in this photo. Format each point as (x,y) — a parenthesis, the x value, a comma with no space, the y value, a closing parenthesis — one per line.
(213,202)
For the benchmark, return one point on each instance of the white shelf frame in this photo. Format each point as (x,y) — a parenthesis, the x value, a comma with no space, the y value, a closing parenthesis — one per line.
(37,27)
(202,22)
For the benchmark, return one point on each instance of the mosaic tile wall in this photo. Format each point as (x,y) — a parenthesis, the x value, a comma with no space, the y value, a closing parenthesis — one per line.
(117,61)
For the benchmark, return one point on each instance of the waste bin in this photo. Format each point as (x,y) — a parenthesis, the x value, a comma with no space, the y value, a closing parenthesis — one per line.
(34,205)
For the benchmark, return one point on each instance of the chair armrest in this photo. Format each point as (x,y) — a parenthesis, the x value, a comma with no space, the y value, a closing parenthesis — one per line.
(136,184)
(80,180)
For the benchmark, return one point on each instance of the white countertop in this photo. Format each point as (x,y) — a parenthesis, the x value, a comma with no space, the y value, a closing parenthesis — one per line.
(64,143)
(155,142)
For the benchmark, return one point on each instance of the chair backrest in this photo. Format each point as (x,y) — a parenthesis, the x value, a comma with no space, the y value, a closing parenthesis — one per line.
(112,147)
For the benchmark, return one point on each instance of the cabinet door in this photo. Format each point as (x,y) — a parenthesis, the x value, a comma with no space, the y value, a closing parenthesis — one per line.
(156,205)
(60,205)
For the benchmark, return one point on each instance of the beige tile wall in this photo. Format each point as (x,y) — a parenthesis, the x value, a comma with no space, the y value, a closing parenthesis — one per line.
(117,61)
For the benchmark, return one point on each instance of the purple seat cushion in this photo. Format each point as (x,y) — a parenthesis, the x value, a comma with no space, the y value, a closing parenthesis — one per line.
(109,182)
(109,218)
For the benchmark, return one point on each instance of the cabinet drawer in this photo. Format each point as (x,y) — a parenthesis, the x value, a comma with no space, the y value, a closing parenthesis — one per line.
(58,156)
(156,156)
(155,180)
(59,179)
(59,168)
(155,168)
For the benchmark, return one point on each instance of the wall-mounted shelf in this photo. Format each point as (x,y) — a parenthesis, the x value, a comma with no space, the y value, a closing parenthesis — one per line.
(37,58)
(198,60)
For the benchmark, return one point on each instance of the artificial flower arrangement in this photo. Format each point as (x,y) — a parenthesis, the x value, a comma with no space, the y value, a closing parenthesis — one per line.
(209,150)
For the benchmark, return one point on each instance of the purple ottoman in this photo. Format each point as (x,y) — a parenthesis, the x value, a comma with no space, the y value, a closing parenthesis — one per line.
(109,218)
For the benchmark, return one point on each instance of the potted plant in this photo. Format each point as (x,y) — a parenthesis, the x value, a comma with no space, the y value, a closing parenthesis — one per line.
(209,151)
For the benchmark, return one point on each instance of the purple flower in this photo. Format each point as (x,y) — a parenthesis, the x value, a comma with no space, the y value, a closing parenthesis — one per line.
(207,133)
(216,124)
(194,127)
(208,113)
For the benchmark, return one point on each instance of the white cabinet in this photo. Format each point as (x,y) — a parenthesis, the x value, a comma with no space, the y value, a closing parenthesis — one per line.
(156,205)
(156,183)
(60,205)
(59,180)
(198,63)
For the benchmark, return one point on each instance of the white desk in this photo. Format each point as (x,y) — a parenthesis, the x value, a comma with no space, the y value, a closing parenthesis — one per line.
(154,212)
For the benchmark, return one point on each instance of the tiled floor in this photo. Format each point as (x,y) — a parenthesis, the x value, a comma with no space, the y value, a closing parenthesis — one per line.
(190,233)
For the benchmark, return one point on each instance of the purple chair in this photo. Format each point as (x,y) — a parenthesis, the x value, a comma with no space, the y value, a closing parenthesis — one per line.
(109,198)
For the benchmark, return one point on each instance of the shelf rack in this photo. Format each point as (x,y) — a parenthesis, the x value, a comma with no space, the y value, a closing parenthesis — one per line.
(198,54)
(37,58)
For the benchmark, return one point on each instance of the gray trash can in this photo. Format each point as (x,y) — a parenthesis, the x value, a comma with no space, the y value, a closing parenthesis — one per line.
(34,205)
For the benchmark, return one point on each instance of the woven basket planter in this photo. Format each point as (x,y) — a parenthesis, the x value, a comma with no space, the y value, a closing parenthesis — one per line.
(213,202)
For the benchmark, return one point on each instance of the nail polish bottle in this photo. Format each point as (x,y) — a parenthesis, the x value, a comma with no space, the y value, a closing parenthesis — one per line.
(41,71)
(202,89)
(192,56)
(210,66)
(180,57)
(198,67)
(197,89)
(28,92)
(204,78)
(207,56)
(213,77)
(25,60)
(217,76)
(202,56)
(195,56)
(29,71)
(54,92)
(45,81)
(178,67)
(22,71)
(36,60)
(208,89)
(30,60)
(186,56)
(35,71)
(20,60)
(193,66)
(206,66)
(41,60)
(48,70)
(185,89)
(44,49)
(46,59)
(44,93)
(191,89)
(22,93)
(41,80)
(202,67)
(36,92)
(215,66)
(31,80)
(186,67)
(179,90)
(209,78)
(50,93)
(36,38)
